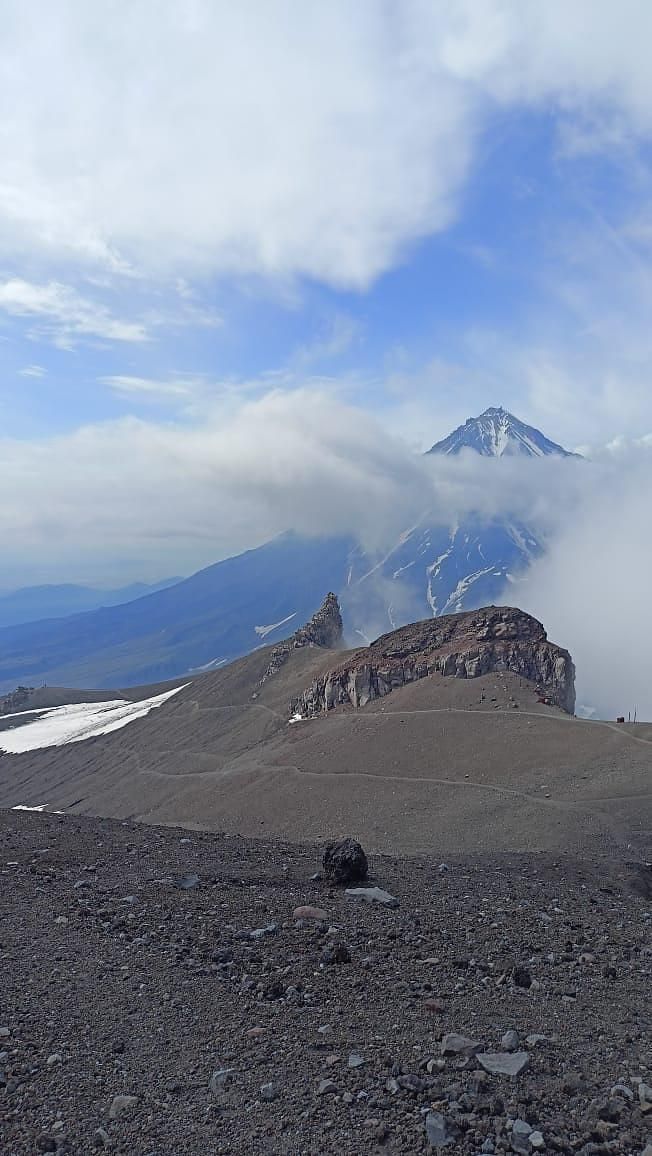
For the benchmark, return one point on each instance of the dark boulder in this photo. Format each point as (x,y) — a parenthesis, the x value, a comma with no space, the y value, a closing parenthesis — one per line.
(345,862)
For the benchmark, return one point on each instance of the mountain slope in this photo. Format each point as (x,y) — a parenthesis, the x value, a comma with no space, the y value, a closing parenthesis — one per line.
(497,433)
(220,612)
(446,762)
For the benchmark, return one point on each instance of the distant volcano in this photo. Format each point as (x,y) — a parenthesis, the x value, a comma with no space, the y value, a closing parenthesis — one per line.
(496,434)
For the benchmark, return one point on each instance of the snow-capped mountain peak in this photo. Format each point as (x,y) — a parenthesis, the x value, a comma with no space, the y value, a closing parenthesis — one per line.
(497,433)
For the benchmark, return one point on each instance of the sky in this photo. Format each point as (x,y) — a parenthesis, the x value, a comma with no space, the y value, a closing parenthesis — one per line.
(253,257)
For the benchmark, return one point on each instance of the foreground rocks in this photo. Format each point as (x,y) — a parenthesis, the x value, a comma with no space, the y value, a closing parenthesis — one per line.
(344,861)
(138,1017)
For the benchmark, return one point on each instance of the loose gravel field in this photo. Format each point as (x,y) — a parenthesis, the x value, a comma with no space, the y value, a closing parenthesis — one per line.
(161,998)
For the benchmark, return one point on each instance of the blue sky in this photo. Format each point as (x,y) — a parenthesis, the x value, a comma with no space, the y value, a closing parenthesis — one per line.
(408,211)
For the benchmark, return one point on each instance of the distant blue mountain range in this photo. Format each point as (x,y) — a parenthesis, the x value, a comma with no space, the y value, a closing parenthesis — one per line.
(232,607)
(31,603)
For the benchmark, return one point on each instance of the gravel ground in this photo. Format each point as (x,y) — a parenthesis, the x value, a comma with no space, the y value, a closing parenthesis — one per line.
(159,997)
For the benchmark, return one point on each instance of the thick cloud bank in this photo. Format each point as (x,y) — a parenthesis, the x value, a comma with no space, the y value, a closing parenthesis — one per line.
(136,499)
(592,589)
(150,498)
(279,137)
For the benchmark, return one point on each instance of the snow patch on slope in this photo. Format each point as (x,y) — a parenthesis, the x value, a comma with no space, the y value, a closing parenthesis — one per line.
(263,631)
(43,808)
(79,721)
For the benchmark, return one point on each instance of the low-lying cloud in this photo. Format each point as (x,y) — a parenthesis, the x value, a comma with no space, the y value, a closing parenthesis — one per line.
(144,499)
(592,588)
(135,499)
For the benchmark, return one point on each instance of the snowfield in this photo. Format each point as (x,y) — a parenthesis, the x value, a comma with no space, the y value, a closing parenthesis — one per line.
(263,631)
(79,721)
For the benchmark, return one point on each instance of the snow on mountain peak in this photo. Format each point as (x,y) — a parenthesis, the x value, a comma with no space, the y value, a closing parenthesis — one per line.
(497,433)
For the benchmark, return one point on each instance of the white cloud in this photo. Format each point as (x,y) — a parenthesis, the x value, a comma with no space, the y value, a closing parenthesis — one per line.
(32,371)
(63,314)
(147,387)
(338,336)
(592,590)
(281,138)
(183,497)
(303,460)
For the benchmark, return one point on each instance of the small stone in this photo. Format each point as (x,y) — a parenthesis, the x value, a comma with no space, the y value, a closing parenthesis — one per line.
(438,1132)
(121,1105)
(434,1006)
(520,1138)
(534,1039)
(4,1033)
(645,1097)
(610,1111)
(316,913)
(410,1082)
(61,920)
(573,1084)
(53,1059)
(101,1138)
(335,953)
(263,932)
(326,1088)
(355,1061)
(622,1090)
(187,882)
(220,1080)
(536,1140)
(269,1092)
(503,1063)
(46,1143)
(372,895)
(255,1033)
(455,1045)
(332,1059)
(522,977)
(510,1041)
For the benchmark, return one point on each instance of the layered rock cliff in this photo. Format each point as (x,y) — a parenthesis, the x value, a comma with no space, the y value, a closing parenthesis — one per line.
(495,638)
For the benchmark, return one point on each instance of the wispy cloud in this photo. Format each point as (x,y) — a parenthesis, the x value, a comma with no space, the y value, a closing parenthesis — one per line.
(150,388)
(63,315)
(32,371)
(340,334)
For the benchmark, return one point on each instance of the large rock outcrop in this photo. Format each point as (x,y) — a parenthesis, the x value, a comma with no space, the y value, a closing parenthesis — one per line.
(495,638)
(324,629)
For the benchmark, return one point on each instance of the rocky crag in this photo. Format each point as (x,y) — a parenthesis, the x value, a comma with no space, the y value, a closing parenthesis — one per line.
(495,638)
(324,629)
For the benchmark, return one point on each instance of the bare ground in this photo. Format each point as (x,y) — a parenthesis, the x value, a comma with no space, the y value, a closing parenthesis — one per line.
(118,982)
(455,765)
